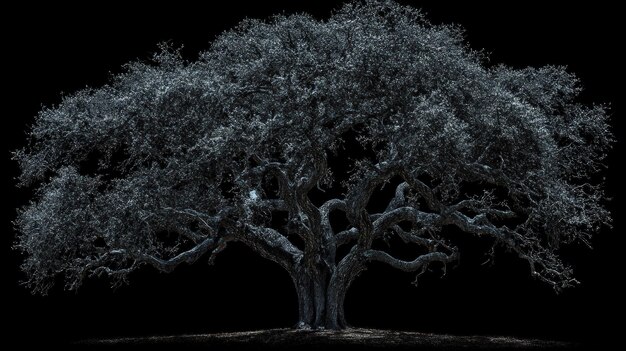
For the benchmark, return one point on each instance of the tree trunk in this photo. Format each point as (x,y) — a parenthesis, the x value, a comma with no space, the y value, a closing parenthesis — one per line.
(306,308)
(320,300)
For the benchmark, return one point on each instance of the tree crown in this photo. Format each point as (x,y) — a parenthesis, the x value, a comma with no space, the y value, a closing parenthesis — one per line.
(175,158)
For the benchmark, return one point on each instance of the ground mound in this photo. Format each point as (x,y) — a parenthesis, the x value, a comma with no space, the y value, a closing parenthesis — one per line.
(346,339)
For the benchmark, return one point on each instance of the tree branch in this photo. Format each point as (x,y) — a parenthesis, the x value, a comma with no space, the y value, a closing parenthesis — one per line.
(305,184)
(204,218)
(327,208)
(480,226)
(316,239)
(360,194)
(390,219)
(346,236)
(411,266)
(189,256)
(479,206)
(407,213)
(412,237)
(423,190)
(271,244)
(543,263)
(398,199)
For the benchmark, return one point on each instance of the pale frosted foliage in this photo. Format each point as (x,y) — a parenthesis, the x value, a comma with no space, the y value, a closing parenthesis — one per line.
(166,162)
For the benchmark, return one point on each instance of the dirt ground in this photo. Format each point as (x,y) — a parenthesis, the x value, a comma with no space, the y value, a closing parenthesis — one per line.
(351,339)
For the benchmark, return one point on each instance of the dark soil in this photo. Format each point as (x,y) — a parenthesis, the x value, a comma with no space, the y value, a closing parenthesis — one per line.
(351,339)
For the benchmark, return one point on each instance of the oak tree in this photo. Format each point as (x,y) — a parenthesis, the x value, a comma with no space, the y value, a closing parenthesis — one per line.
(286,122)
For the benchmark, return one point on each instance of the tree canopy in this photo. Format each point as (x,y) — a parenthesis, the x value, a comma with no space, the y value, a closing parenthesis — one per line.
(173,159)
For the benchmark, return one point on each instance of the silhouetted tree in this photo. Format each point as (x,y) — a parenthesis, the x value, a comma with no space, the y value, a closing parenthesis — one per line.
(173,159)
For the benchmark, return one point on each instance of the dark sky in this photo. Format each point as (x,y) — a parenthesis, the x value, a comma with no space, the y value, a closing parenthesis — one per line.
(53,50)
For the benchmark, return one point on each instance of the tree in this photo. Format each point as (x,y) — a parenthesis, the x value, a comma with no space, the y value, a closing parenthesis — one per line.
(284,123)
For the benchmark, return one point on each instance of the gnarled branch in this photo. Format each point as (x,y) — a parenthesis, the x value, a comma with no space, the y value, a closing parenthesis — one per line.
(406,213)
(271,244)
(189,256)
(410,266)
(345,236)
(398,199)
(327,208)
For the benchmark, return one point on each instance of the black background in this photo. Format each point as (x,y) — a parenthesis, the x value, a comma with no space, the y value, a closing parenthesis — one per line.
(53,50)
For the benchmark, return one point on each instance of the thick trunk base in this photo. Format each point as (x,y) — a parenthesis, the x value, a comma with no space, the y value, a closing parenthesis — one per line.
(320,303)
